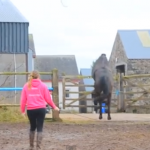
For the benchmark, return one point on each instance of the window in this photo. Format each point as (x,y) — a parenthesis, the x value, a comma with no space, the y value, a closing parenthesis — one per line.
(67,94)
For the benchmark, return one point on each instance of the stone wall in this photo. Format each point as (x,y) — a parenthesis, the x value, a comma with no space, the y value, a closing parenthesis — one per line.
(117,56)
(7,64)
(139,66)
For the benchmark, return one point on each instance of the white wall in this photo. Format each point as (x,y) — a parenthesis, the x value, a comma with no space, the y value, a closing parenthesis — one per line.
(33,63)
(90,102)
(71,95)
(30,60)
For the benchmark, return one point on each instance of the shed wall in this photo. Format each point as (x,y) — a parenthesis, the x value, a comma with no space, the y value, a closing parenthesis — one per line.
(8,63)
(14,38)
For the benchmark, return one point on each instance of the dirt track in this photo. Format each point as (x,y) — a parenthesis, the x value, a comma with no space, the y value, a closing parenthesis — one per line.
(106,135)
(123,132)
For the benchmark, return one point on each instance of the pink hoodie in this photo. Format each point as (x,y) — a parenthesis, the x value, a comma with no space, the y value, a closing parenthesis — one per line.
(36,97)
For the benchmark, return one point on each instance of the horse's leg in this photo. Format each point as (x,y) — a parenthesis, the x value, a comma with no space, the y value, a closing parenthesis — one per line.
(95,100)
(95,105)
(100,112)
(109,99)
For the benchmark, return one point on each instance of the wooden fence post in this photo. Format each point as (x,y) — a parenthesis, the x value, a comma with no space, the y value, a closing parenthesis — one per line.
(121,103)
(55,93)
(64,94)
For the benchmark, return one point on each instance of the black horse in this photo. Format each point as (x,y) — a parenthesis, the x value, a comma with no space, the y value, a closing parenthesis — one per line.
(103,84)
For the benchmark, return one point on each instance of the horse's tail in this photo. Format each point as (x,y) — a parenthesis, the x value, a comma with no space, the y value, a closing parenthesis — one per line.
(105,84)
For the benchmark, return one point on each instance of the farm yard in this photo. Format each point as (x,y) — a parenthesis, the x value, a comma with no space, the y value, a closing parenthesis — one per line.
(71,89)
(83,132)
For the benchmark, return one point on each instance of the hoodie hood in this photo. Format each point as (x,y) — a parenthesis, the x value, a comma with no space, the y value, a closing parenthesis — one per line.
(35,82)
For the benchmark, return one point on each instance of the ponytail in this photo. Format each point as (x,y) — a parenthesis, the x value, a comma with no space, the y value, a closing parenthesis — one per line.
(29,81)
(34,75)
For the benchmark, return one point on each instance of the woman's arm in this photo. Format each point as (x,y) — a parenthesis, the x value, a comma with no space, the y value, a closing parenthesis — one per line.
(48,98)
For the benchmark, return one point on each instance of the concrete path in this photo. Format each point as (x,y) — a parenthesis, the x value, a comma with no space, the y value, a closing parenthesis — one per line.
(114,116)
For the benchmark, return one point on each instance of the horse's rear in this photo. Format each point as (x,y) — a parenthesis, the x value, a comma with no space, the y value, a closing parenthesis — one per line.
(103,88)
(103,84)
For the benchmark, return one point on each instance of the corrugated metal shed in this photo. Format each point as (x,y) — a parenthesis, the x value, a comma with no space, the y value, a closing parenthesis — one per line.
(13,29)
(87,81)
(136,43)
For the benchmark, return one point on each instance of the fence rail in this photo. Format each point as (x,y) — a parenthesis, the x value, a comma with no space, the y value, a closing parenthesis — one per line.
(123,82)
(132,89)
(17,89)
(24,73)
(54,75)
(82,97)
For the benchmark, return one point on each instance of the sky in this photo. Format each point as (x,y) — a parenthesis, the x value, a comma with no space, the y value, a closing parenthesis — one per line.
(84,28)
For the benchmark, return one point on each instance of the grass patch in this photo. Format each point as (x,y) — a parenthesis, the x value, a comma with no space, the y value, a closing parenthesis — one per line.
(69,121)
(11,114)
(52,120)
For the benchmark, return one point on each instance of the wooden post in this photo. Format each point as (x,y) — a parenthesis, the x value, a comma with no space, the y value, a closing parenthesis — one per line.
(55,93)
(118,88)
(63,85)
(121,103)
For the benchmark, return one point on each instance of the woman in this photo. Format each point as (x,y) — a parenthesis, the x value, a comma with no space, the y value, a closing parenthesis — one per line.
(34,95)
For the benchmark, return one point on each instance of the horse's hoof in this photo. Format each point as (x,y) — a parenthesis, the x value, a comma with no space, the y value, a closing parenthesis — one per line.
(109,118)
(100,117)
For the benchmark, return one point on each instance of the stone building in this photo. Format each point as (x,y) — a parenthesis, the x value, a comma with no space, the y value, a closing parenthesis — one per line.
(131,55)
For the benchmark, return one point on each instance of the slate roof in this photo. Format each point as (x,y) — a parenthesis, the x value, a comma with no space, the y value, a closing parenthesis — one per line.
(31,45)
(87,81)
(64,63)
(136,43)
(9,12)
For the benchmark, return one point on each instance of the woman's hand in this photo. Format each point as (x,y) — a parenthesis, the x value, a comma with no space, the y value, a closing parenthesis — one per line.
(56,108)
(24,115)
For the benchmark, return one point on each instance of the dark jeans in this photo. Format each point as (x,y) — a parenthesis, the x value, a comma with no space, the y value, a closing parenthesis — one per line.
(36,118)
